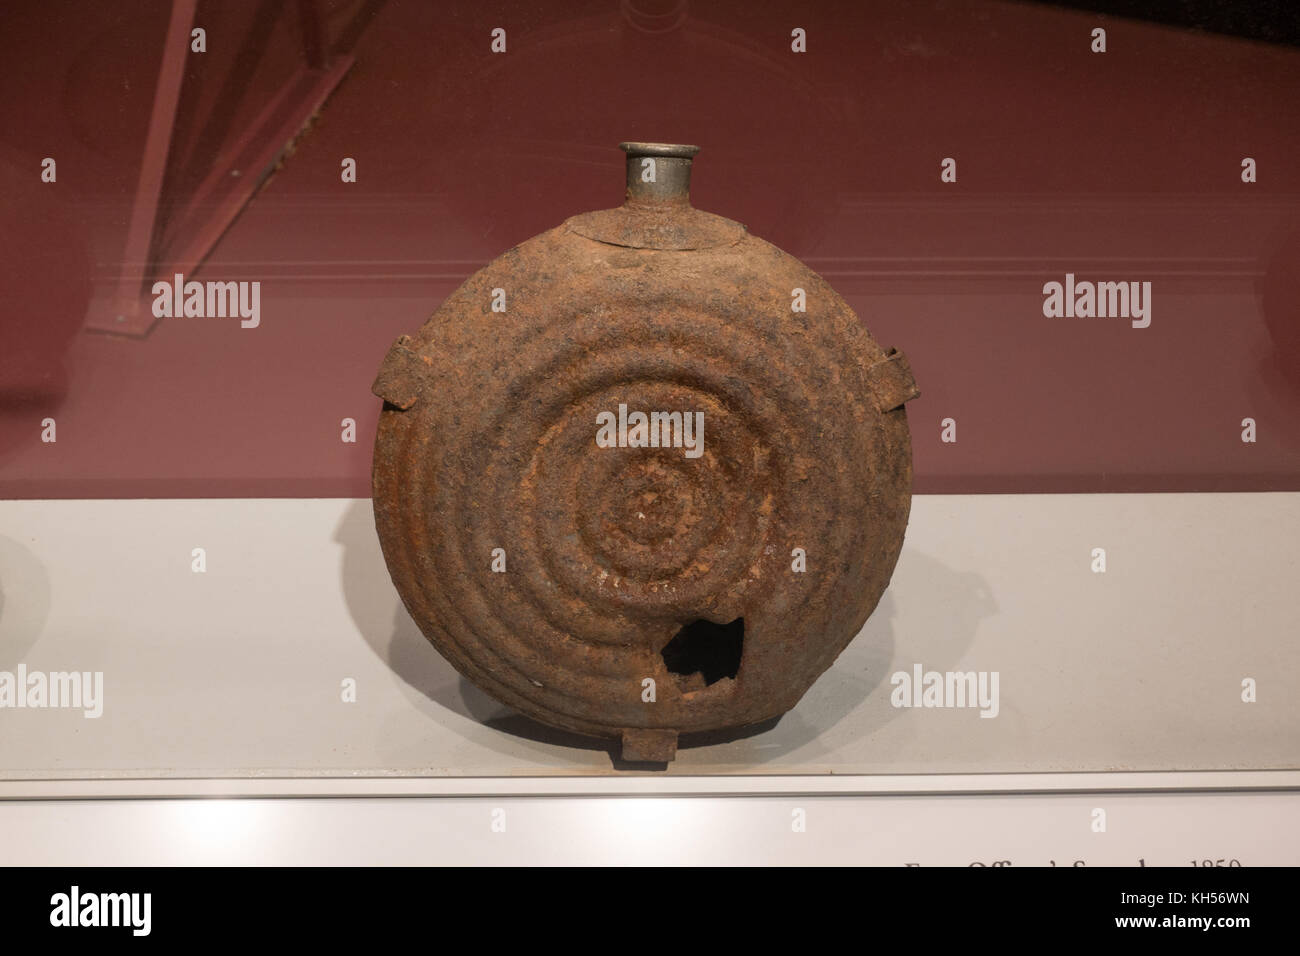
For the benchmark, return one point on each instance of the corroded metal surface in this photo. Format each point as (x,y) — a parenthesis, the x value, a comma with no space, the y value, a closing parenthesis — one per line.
(488,440)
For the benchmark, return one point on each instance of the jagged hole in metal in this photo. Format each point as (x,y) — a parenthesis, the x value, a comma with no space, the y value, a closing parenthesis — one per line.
(703,653)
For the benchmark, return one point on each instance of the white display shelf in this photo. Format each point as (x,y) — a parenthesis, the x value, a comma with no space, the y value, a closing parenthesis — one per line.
(1151,829)
(231,679)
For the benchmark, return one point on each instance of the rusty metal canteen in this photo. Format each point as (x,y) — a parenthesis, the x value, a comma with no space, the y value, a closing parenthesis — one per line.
(644,474)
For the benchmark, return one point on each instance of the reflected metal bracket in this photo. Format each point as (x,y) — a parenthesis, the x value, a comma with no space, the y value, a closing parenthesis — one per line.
(238,172)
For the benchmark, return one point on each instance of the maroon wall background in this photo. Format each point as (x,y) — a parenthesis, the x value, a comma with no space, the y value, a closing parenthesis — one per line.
(1117,166)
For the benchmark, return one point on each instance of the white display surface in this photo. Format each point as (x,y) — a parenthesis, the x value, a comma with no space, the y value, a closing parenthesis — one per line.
(239,670)
(1140,829)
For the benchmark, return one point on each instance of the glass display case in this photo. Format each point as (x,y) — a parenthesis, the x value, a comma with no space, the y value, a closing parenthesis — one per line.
(1081,224)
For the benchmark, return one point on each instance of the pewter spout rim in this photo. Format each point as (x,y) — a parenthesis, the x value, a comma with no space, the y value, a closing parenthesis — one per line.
(677,150)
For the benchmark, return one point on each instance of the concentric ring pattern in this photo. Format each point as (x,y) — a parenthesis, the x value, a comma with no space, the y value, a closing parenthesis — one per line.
(609,551)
